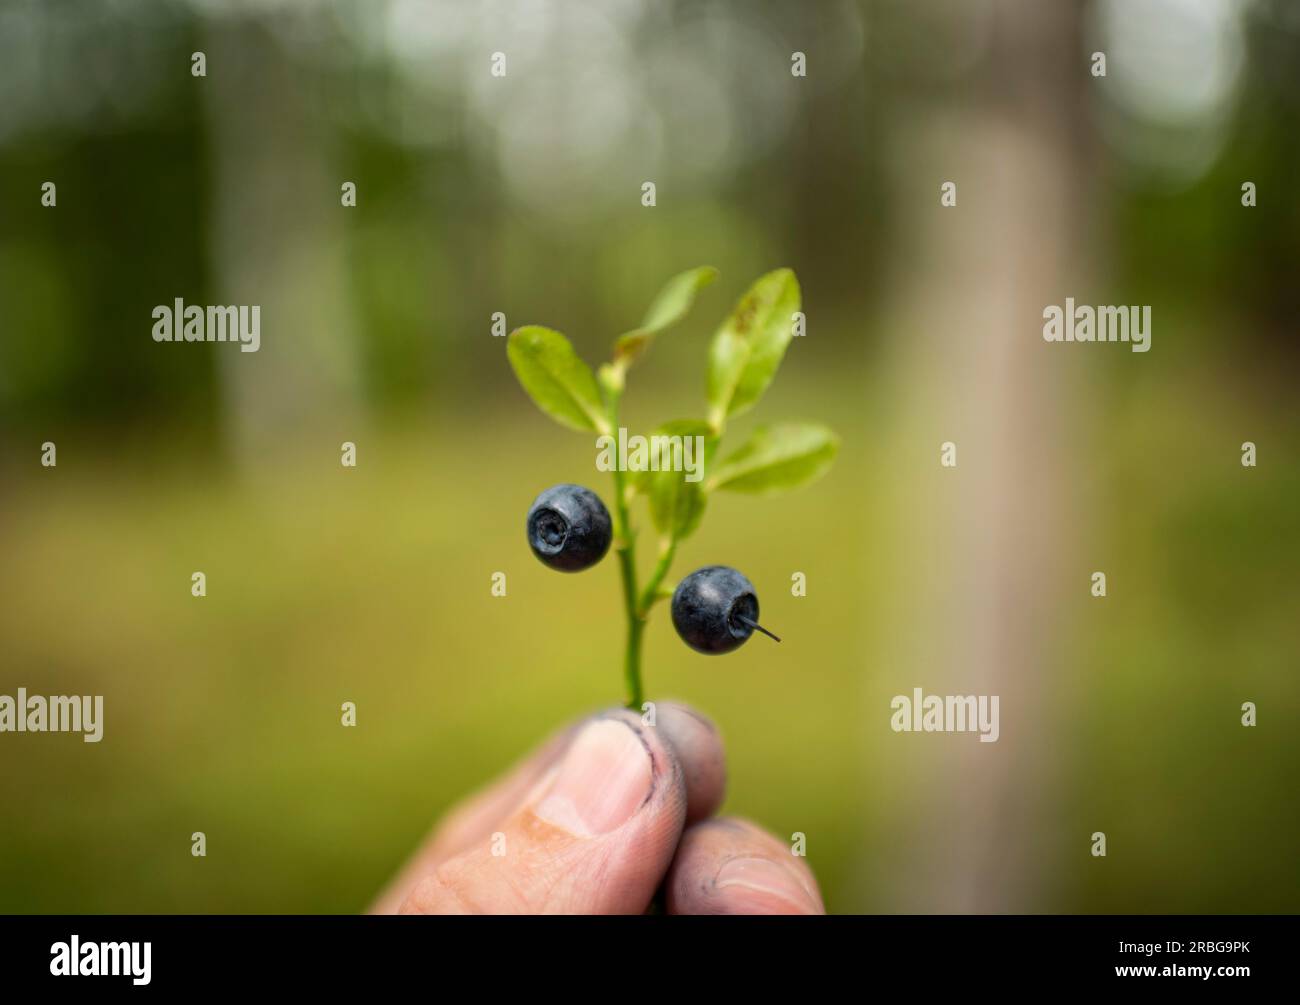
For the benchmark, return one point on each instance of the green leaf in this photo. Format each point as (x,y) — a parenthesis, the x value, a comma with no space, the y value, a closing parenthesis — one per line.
(747,349)
(676,297)
(556,378)
(670,305)
(776,458)
(676,504)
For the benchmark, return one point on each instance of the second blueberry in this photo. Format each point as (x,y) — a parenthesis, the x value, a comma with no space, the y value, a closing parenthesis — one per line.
(715,609)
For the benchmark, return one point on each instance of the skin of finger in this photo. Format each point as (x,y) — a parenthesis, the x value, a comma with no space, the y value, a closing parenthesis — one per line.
(693,887)
(473,821)
(548,870)
(699,748)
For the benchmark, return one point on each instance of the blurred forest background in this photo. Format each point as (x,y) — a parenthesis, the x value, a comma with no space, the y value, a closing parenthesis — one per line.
(521,194)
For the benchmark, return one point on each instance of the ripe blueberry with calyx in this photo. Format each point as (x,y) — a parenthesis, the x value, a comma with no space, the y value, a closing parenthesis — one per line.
(715,609)
(569,528)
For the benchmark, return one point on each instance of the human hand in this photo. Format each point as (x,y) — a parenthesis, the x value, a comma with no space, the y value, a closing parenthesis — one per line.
(595,821)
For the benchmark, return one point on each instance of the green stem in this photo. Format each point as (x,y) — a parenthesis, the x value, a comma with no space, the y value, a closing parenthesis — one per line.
(625,544)
(652,593)
(632,653)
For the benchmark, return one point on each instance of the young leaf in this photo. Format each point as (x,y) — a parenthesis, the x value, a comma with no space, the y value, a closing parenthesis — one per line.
(776,458)
(667,308)
(675,299)
(676,504)
(556,378)
(748,347)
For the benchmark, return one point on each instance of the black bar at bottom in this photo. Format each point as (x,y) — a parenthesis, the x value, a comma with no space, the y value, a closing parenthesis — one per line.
(339,954)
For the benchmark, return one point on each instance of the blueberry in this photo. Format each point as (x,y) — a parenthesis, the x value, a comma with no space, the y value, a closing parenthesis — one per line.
(569,528)
(715,609)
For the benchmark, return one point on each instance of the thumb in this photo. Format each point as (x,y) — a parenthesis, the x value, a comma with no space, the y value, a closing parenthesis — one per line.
(594,834)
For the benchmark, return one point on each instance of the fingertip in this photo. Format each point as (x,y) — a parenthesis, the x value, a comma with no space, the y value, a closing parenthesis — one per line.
(697,744)
(730,866)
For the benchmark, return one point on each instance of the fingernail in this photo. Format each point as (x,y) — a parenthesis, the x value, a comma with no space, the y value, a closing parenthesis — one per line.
(603,778)
(767,877)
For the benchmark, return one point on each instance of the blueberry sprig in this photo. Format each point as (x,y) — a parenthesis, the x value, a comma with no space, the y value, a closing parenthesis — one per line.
(714,609)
